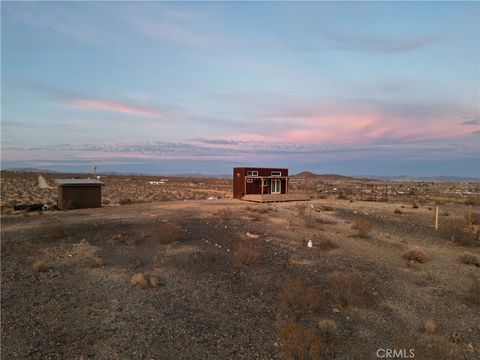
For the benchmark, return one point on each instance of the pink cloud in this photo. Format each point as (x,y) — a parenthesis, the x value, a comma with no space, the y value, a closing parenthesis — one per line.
(119,107)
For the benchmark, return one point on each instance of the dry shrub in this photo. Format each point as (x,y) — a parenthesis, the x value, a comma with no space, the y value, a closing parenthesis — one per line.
(469,258)
(323,243)
(414,206)
(414,255)
(87,254)
(125,201)
(295,297)
(301,209)
(398,211)
(348,289)
(299,343)
(430,327)
(327,208)
(225,214)
(139,280)
(39,266)
(52,228)
(328,329)
(246,254)
(362,227)
(165,234)
(256,218)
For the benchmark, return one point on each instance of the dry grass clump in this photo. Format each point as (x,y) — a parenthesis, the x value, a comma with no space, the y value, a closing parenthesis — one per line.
(328,329)
(321,242)
(427,346)
(430,327)
(469,258)
(299,343)
(414,255)
(125,201)
(164,234)
(139,280)
(246,254)
(87,254)
(348,289)
(39,266)
(52,228)
(295,297)
(362,227)
(464,237)
(398,211)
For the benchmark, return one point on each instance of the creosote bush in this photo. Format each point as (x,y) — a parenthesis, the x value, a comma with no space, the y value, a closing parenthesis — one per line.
(415,256)
(165,234)
(321,242)
(39,266)
(296,298)
(225,214)
(348,289)
(299,343)
(139,280)
(247,254)
(362,227)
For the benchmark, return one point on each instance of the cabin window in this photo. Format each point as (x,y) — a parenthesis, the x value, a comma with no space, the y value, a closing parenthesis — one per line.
(252,173)
(276,173)
(249,180)
(265,182)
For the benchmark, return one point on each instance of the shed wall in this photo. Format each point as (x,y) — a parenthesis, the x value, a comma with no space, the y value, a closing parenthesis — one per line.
(255,186)
(79,197)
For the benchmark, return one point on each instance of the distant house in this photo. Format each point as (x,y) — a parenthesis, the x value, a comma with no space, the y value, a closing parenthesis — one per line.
(79,193)
(263,185)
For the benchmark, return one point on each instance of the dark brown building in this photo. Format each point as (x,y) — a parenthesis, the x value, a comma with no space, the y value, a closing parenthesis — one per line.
(79,193)
(259,181)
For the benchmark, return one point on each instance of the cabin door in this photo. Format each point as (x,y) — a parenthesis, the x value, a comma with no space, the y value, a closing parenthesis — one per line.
(276,187)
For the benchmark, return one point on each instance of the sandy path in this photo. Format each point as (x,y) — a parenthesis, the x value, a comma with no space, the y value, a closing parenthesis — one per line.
(42,183)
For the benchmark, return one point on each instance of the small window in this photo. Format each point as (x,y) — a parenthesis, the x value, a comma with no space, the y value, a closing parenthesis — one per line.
(252,173)
(249,180)
(276,173)
(265,182)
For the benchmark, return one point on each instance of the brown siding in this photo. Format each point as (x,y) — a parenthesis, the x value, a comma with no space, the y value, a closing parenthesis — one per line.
(79,197)
(255,186)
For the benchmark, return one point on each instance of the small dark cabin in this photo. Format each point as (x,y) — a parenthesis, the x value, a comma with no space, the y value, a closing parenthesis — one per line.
(253,180)
(79,193)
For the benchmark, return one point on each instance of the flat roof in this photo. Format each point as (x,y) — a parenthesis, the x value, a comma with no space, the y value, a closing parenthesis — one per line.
(80,182)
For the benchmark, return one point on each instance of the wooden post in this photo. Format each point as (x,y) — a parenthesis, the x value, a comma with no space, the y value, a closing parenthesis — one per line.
(386,193)
(245,186)
(261,184)
(469,217)
(436,217)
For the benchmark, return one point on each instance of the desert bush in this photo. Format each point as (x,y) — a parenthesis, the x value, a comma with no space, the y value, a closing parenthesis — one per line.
(164,234)
(52,228)
(321,242)
(255,218)
(246,254)
(348,289)
(298,342)
(464,237)
(414,206)
(415,255)
(124,201)
(430,327)
(362,227)
(139,280)
(327,208)
(469,258)
(342,197)
(39,266)
(398,211)
(328,329)
(296,298)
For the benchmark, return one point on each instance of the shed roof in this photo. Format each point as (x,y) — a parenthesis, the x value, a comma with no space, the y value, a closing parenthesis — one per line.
(78,182)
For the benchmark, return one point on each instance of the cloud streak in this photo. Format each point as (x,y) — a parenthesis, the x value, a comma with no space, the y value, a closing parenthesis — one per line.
(117,107)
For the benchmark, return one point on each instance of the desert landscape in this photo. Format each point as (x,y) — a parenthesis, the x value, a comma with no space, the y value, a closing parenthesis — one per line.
(180,270)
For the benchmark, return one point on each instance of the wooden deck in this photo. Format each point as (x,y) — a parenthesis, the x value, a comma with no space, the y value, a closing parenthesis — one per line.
(275,197)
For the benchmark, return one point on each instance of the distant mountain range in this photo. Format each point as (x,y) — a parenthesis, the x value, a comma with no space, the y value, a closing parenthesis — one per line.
(303,174)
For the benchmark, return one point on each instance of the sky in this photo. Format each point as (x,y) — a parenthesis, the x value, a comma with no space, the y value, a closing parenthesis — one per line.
(355,88)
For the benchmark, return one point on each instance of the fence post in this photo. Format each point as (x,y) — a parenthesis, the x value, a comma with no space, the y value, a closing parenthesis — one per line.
(436,217)
(469,217)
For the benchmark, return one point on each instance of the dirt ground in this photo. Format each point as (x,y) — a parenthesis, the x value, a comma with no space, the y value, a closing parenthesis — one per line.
(169,280)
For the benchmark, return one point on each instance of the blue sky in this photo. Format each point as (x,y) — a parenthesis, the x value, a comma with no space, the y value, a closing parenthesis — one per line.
(380,88)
